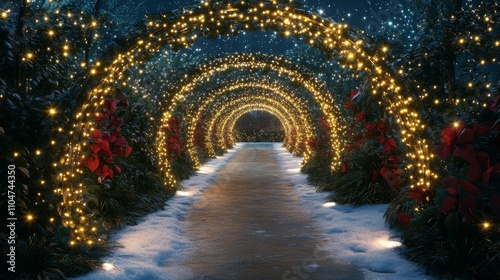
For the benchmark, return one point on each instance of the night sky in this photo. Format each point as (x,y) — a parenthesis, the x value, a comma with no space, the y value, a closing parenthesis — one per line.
(358,13)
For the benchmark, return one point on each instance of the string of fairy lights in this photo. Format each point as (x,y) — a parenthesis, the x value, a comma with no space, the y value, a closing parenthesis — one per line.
(287,115)
(225,127)
(225,96)
(215,18)
(252,62)
(229,123)
(248,96)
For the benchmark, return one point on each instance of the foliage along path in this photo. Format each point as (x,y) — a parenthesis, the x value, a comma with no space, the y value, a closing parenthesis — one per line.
(249,223)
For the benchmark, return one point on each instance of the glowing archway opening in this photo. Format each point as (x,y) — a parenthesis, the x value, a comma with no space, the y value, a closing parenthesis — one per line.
(224,95)
(279,65)
(302,111)
(302,126)
(258,126)
(220,119)
(289,115)
(230,124)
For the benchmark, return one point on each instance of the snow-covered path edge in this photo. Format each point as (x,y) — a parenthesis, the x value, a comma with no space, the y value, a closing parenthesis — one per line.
(152,246)
(355,235)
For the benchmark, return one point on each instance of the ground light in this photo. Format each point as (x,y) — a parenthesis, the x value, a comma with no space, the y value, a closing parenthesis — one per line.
(108,266)
(329,204)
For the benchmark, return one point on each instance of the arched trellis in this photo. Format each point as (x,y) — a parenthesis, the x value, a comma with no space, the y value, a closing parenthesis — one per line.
(227,129)
(287,107)
(227,126)
(274,87)
(253,62)
(228,121)
(213,18)
(218,121)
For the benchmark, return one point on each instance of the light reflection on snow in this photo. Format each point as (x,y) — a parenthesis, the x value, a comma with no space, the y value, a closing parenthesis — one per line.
(184,193)
(329,204)
(207,169)
(386,243)
(293,170)
(108,266)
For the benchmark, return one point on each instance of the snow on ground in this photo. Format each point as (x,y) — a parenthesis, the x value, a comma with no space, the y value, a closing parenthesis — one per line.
(355,235)
(159,238)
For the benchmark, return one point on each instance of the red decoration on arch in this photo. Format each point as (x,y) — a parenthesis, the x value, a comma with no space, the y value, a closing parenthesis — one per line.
(106,140)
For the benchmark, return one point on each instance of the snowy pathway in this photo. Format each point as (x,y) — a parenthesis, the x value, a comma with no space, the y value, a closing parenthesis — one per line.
(250,225)
(258,220)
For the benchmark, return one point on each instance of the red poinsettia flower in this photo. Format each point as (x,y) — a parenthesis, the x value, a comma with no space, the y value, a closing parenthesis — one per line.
(420,195)
(450,184)
(481,129)
(474,173)
(448,139)
(106,141)
(449,203)
(495,204)
(92,162)
(495,104)
(468,206)
(404,218)
(391,177)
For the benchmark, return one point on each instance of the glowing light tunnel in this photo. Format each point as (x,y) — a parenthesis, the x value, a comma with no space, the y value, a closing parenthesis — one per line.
(274,90)
(214,18)
(253,62)
(289,118)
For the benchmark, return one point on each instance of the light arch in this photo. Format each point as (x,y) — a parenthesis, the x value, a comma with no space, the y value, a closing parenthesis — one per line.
(220,117)
(263,85)
(253,62)
(228,127)
(285,106)
(214,18)
(229,121)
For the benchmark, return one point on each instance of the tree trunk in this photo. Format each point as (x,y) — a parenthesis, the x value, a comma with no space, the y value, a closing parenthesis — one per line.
(19,51)
(451,80)
(341,82)
(90,30)
(450,62)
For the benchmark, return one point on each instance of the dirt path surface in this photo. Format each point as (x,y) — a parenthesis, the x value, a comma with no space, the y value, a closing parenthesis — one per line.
(250,225)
